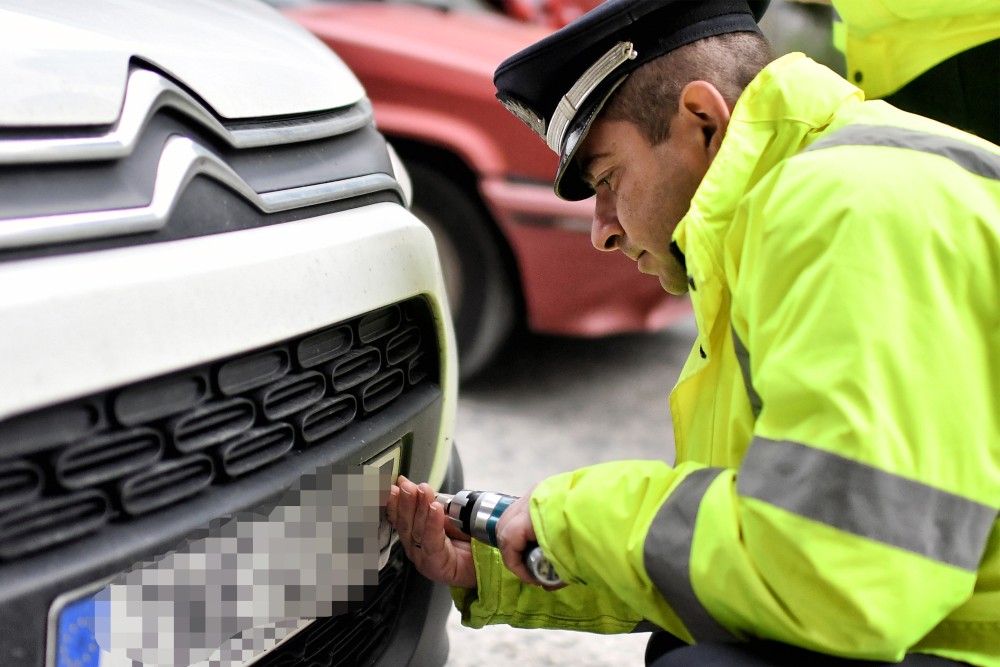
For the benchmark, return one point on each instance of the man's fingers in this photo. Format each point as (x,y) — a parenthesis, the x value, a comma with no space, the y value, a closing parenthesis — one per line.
(514,561)
(451,560)
(423,531)
(405,506)
(435,540)
(514,532)
(392,506)
(422,501)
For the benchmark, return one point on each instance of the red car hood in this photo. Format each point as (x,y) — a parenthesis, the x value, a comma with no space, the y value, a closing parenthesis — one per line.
(467,40)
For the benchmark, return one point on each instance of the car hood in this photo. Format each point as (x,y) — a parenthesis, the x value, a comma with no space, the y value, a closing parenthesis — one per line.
(460,39)
(66,62)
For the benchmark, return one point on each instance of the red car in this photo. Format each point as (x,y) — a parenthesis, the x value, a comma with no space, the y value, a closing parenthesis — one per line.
(513,253)
(552,13)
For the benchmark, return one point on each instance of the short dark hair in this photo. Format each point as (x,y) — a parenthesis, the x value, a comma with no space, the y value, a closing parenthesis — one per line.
(649,96)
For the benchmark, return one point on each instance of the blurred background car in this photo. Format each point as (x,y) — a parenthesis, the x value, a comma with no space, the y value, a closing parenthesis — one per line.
(515,256)
(790,25)
(224,334)
(551,13)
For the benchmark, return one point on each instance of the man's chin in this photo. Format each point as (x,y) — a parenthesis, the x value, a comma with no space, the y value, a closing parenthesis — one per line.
(672,276)
(674,285)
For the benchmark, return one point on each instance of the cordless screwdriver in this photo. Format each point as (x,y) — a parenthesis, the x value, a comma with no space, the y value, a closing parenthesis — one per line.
(476,513)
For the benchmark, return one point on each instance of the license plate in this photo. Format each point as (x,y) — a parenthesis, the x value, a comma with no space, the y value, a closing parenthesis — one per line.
(243,585)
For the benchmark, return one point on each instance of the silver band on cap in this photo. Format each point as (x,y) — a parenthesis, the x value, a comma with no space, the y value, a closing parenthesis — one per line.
(584,86)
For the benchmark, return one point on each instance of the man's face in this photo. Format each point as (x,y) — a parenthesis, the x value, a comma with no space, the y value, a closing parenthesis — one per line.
(642,192)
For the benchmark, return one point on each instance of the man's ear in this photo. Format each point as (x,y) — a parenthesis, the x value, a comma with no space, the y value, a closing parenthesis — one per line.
(707,112)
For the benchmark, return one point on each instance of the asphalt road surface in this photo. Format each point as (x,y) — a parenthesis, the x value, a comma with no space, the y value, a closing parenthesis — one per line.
(552,405)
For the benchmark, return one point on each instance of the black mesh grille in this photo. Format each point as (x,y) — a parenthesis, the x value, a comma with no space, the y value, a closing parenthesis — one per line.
(403,345)
(327,417)
(417,368)
(252,371)
(379,323)
(324,346)
(20,482)
(291,394)
(357,638)
(106,457)
(44,523)
(55,426)
(67,470)
(382,390)
(165,483)
(255,449)
(353,368)
(161,397)
(212,424)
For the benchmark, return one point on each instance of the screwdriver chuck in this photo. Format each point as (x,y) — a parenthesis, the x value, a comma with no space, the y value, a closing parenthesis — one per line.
(477,513)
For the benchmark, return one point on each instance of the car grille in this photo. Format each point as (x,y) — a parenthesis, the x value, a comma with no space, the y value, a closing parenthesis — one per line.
(69,469)
(357,638)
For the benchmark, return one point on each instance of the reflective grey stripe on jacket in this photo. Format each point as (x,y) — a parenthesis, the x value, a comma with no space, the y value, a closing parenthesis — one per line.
(824,487)
(827,488)
(667,556)
(861,499)
(743,356)
(970,157)
(843,493)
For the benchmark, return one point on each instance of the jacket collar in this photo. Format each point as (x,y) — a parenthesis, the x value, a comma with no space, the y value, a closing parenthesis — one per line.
(787,106)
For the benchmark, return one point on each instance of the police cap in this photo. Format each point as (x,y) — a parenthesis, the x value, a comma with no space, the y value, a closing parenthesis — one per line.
(559,84)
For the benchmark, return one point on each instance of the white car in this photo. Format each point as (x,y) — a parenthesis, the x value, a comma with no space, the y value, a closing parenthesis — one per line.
(223,334)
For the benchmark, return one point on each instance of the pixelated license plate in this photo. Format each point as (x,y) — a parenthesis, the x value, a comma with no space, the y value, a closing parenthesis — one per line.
(243,585)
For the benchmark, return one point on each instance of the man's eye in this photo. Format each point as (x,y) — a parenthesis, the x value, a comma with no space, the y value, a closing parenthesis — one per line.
(596,184)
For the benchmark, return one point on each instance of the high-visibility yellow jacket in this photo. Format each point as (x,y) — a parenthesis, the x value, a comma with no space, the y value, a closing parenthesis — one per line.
(837,425)
(888,43)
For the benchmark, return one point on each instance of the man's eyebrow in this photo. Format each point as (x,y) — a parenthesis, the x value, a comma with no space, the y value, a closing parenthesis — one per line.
(585,165)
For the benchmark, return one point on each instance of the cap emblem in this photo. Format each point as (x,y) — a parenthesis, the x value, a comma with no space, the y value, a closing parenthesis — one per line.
(526,114)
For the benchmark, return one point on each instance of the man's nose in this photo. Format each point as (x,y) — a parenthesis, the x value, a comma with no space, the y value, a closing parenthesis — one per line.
(605,232)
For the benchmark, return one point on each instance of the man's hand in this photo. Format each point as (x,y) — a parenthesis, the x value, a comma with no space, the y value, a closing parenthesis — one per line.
(438,551)
(514,534)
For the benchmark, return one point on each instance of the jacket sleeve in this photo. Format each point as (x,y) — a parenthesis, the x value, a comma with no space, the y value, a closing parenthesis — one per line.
(860,512)
(502,598)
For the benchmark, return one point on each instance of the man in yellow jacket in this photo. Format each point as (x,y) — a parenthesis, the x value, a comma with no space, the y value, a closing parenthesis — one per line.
(836,491)
(938,58)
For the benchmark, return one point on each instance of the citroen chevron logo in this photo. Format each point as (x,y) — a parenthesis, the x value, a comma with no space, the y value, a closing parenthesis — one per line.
(147,93)
(181,160)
